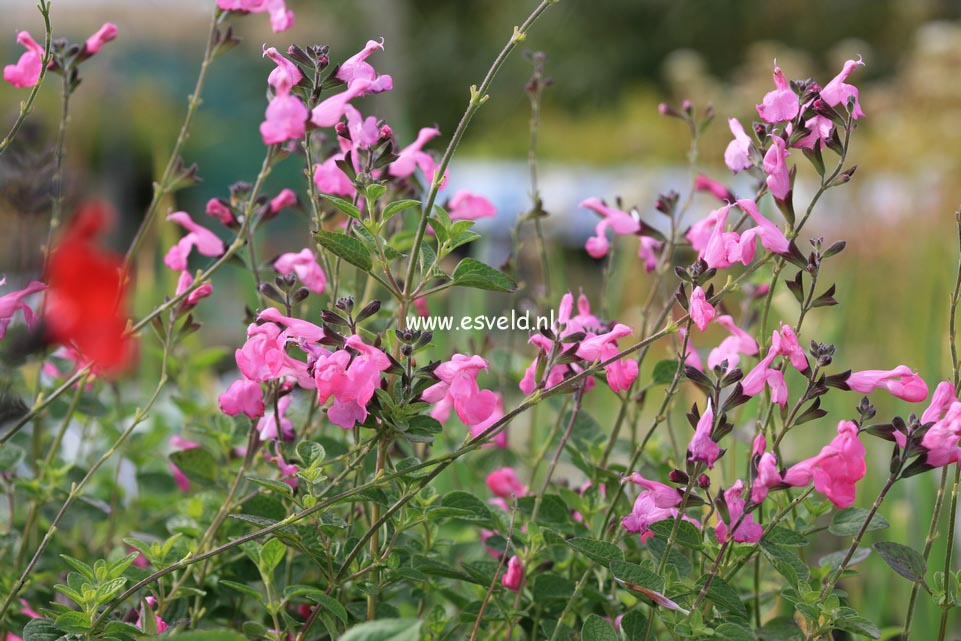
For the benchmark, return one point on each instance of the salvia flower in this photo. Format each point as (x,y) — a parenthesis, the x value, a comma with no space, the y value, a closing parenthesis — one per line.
(503,483)
(458,388)
(837,92)
(286,75)
(26,72)
(713,187)
(242,397)
(702,447)
(103,35)
(621,373)
(14,301)
(779,105)
(329,112)
(497,414)
(836,469)
(185,282)
(350,380)
(274,424)
(356,67)
(621,223)
(304,264)
(514,574)
(746,530)
(159,623)
(465,205)
(281,18)
(775,166)
(180,444)
(285,119)
(701,311)
(737,156)
(731,348)
(413,156)
(941,439)
(763,374)
(206,242)
(901,381)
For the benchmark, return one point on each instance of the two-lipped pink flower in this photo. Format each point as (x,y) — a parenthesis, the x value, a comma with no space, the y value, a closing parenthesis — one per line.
(357,68)
(775,166)
(941,439)
(296,327)
(458,389)
(286,75)
(14,301)
(745,528)
(779,105)
(244,396)
(836,469)
(329,112)
(838,92)
(350,379)
(764,375)
(206,242)
(304,264)
(101,36)
(281,18)
(721,249)
(285,119)
(497,414)
(901,381)
(180,444)
(413,156)
(713,187)
(274,424)
(603,347)
(737,155)
(185,282)
(513,575)
(221,211)
(656,502)
(26,72)
(731,348)
(263,355)
(621,223)
(465,205)
(503,483)
(702,447)
(701,311)
(330,179)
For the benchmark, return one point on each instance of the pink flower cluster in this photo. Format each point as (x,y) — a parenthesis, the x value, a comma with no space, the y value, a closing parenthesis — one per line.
(26,72)
(458,389)
(720,248)
(621,223)
(281,18)
(16,301)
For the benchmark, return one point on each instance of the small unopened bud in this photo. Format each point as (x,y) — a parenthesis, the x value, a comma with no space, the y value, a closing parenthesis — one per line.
(386,133)
(678,476)
(342,131)
(704,481)
(688,107)
(667,110)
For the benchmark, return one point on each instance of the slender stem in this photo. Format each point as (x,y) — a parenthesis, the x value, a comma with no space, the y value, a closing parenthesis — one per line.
(27,105)
(949,542)
(382,446)
(477,98)
(56,210)
(497,573)
(578,397)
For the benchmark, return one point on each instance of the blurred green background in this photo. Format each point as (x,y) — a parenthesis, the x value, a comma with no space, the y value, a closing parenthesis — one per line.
(612,62)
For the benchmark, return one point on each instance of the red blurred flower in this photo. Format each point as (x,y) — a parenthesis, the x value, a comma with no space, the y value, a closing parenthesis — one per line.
(86,299)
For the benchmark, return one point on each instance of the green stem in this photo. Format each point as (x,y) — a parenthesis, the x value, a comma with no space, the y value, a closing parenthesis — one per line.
(27,105)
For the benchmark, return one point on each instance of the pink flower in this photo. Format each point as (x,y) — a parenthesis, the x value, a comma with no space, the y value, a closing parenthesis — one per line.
(286,198)
(10,303)
(26,72)
(206,242)
(274,425)
(180,444)
(768,477)
(281,18)
(504,483)
(836,469)
(713,187)
(458,386)
(772,238)
(941,439)
(691,358)
(329,112)
(838,92)
(700,232)
(730,349)
(296,327)
(620,221)
(762,374)
(185,282)
(781,104)
(748,531)
(775,166)
(285,119)
(737,156)
(103,35)
(514,574)
(363,132)
(160,623)
(652,506)
(620,373)
(467,206)
(901,381)
(221,211)
(242,397)
(497,414)
(785,343)
(263,355)
(665,496)
(412,156)
(330,179)
(701,311)
(356,67)
(288,471)
(702,447)
(944,395)
(351,385)
(285,76)
(820,128)
(304,264)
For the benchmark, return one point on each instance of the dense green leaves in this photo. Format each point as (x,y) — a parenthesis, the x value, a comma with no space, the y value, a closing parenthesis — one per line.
(473,273)
(385,630)
(848,521)
(346,247)
(597,629)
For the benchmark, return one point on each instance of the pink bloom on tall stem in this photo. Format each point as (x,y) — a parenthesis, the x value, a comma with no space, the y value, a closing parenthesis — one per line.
(357,67)
(285,119)
(263,355)
(185,282)
(665,496)
(730,349)
(413,156)
(768,477)
(837,92)
(781,104)
(274,424)
(762,374)
(281,18)
(242,397)
(296,327)
(901,381)
(702,447)
(746,530)
(621,373)
(785,343)
(458,386)
(206,242)
(700,232)
(103,35)
(467,206)
(504,483)
(514,574)
(221,211)
(286,198)
(330,111)
(944,395)
(180,444)
(772,238)
(351,380)
(737,156)
(286,75)
(304,264)
(330,179)
(10,303)
(26,72)
(775,166)
(836,469)
(497,414)
(701,311)
(941,439)
(363,132)
(713,187)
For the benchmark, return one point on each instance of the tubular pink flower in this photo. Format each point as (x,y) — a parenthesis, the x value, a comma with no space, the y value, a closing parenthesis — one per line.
(352,385)
(775,166)
(26,72)
(10,303)
(781,104)
(262,357)
(103,35)
(185,282)
(944,395)
(286,75)
(768,477)
(412,156)
(330,179)
(504,483)
(621,373)
(329,112)
(836,469)
(285,119)
(737,156)
(647,251)
(901,381)
(702,447)
(754,381)
(296,327)
(465,205)
(206,242)
(275,425)
(837,92)
(700,232)
(785,343)
(730,349)
(364,132)
(713,187)
(665,496)
(356,67)
(281,18)
(772,238)
(748,531)
(221,211)
(701,311)
(180,444)
(941,439)
(513,575)
(304,264)
(286,198)
(242,397)
(497,414)
(458,385)
(820,128)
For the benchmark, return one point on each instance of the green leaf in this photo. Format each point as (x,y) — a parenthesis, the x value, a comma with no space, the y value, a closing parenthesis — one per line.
(346,247)
(396,207)
(330,604)
(10,456)
(848,522)
(904,560)
(635,575)
(784,536)
(208,635)
(71,621)
(271,555)
(600,551)
(270,484)
(834,559)
(780,629)
(310,452)
(41,630)
(343,205)
(634,626)
(733,632)
(473,273)
(664,372)
(242,588)
(549,586)
(687,534)
(472,508)
(724,596)
(385,630)
(597,629)
(786,561)
(849,620)
(197,464)
(79,566)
